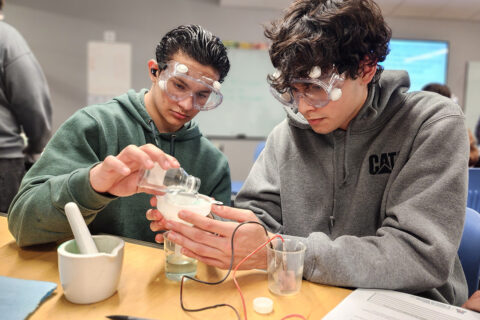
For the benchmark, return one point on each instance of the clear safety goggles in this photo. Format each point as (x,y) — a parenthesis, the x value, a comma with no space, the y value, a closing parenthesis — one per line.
(180,82)
(317,90)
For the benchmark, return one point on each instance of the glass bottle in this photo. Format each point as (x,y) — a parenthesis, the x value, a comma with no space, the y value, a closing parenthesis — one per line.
(172,180)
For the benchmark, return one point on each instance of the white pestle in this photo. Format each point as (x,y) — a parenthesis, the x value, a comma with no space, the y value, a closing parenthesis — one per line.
(82,235)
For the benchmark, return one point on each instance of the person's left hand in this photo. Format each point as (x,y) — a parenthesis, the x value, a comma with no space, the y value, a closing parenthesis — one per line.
(209,240)
(157,220)
(474,302)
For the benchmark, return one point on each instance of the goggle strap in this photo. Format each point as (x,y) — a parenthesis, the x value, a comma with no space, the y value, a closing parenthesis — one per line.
(162,65)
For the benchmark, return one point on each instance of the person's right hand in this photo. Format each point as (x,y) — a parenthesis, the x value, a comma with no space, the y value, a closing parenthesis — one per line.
(119,175)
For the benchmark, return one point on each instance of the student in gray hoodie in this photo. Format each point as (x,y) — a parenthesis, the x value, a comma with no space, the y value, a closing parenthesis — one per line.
(372,178)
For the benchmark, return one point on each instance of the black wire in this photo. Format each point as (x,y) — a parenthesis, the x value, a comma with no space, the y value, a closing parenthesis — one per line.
(220,281)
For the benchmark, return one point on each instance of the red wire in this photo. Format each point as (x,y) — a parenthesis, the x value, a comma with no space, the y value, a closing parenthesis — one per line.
(236,283)
(294,316)
(242,261)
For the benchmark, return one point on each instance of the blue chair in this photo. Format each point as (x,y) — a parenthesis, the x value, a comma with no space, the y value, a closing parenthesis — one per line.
(469,251)
(473,199)
(236,186)
(258,150)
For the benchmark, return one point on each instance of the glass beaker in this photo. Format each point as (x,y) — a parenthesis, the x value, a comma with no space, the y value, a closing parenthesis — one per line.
(176,264)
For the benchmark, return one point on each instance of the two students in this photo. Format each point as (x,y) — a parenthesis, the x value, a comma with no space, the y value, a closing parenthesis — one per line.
(350,171)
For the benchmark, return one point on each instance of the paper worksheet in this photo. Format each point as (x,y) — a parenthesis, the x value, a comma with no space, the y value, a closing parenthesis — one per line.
(369,304)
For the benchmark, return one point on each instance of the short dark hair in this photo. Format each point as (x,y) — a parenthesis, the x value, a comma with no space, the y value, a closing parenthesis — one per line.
(197,43)
(346,34)
(438,88)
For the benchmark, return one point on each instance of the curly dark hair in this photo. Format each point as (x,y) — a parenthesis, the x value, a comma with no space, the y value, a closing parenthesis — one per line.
(197,43)
(346,34)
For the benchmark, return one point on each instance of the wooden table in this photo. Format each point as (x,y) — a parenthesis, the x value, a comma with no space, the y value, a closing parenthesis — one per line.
(145,292)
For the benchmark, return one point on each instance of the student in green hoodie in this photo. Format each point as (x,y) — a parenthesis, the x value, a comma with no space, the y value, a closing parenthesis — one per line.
(95,157)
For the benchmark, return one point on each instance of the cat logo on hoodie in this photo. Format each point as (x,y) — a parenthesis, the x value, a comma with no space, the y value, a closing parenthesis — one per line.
(382,164)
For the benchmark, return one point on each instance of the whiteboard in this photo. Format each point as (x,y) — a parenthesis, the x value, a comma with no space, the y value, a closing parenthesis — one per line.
(472,95)
(105,79)
(248,108)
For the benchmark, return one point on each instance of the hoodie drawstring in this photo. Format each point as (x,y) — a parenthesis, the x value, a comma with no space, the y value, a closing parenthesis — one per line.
(172,145)
(331,223)
(345,176)
(152,125)
(157,141)
(345,156)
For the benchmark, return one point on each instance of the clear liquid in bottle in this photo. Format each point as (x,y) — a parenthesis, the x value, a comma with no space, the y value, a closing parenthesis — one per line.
(172,180)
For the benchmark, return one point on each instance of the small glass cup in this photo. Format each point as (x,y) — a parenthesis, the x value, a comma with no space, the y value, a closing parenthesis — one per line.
(285,266)
(176,264)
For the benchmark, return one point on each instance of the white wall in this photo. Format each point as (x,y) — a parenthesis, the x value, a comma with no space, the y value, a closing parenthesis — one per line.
(472,96)
(58,32)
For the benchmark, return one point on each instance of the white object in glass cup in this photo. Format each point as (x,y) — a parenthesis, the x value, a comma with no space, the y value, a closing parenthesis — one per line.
(171,204)
(285,266)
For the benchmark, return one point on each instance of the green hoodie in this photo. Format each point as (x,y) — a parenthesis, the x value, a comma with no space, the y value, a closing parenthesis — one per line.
(61,175)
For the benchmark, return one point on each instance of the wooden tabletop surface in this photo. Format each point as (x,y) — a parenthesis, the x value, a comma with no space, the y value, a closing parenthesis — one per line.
(144,291)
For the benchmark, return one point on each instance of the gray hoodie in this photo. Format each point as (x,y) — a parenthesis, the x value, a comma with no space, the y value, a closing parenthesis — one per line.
(380,205)
(24,97)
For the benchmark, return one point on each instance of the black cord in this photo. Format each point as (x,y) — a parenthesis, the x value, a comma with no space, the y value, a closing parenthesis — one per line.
(220,281)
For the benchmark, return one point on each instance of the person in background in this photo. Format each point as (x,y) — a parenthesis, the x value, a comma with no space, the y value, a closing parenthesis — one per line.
(477,131)
(96,156)
(371,177)
(474,155)
(445,91)
(25,107)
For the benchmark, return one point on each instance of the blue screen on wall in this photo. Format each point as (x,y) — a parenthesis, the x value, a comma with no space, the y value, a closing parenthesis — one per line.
(425,60)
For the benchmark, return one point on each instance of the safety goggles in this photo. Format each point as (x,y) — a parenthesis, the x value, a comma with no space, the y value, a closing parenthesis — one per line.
(317,90)
(180,82)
